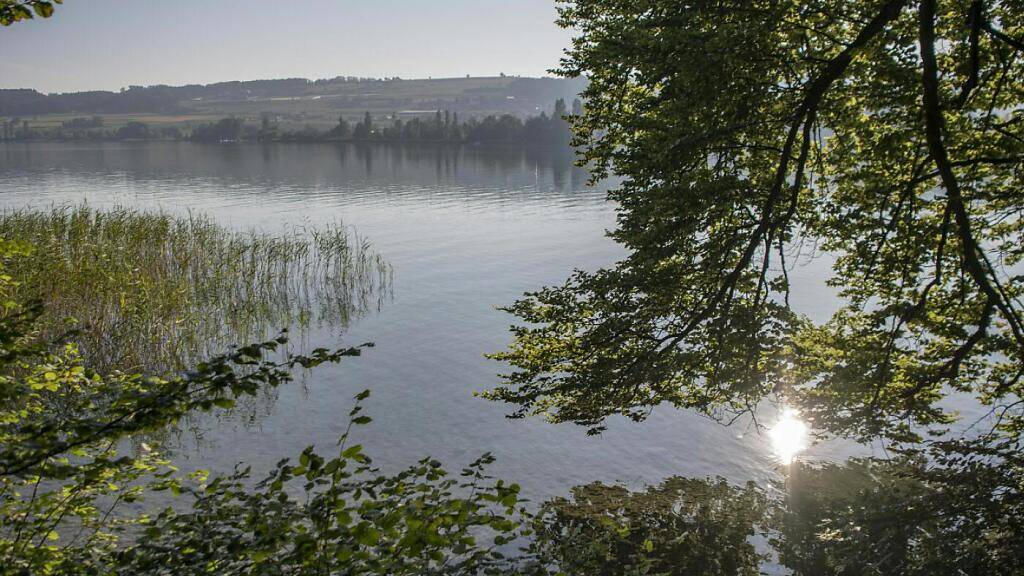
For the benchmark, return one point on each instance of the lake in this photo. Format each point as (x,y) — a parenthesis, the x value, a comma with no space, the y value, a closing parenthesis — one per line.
(467,230)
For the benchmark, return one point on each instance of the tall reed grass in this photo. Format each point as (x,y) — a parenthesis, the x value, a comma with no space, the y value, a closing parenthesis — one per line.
(151,291)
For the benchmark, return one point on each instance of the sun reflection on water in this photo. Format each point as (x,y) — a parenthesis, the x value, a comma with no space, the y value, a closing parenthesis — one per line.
(788,436)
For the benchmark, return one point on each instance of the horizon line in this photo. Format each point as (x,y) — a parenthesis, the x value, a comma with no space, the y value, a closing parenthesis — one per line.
(309,80)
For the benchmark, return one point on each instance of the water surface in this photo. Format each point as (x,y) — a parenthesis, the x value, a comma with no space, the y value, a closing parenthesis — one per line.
(466,229)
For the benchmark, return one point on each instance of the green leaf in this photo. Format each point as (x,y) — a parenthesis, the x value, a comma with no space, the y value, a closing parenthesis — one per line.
(259,556)
(224,403)
(367,535)
(43,9)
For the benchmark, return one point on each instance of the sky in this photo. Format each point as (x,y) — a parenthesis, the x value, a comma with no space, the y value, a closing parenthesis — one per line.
(109,44)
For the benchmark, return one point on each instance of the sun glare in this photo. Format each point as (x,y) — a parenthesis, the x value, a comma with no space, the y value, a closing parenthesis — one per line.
(788,435)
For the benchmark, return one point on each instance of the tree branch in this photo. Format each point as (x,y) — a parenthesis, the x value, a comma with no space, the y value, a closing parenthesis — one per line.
(934,127)
(975,19)
(803,115)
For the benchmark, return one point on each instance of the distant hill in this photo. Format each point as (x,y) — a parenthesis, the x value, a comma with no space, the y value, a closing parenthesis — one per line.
(302,99)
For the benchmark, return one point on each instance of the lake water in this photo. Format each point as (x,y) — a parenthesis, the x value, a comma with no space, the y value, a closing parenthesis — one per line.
(466,230)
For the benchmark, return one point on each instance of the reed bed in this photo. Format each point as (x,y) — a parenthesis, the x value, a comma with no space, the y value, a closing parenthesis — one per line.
(151,291)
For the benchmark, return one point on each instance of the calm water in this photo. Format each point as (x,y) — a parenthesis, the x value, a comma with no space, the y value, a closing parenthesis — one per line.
(466,230)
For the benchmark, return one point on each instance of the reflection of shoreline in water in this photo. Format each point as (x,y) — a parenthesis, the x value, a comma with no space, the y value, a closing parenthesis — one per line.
(390,172)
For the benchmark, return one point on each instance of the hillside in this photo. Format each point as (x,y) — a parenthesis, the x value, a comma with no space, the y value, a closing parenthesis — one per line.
(296,101)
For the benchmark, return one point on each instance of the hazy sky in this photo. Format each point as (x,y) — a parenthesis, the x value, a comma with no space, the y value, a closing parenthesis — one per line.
(107,44)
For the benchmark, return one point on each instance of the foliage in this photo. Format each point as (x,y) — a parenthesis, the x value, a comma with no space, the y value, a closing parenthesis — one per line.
(683,526)
(155,293)
(444,126)
(225,130)
(887,133)
(345,519)
(66,475)
(133,131)
(540,130)
(12,11)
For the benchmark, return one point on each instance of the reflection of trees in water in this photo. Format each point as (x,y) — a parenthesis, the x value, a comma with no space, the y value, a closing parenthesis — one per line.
(957,510)
(494,161)
(683,526)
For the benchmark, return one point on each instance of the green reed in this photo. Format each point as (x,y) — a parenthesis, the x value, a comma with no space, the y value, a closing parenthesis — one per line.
(156,292)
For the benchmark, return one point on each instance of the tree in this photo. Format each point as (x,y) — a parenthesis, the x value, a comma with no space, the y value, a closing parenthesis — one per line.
(888,134)
(342,129)
(560,109)
(12,11)
(268,128)
(364,129)
(224,130)
(134,130)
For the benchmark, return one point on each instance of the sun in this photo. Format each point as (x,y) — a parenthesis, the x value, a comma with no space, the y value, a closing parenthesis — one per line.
(788,436)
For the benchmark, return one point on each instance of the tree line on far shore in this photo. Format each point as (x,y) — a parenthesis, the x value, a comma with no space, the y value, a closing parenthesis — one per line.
(443,126)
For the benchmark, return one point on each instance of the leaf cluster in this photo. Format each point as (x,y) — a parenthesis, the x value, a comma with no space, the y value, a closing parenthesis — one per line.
(12,11)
